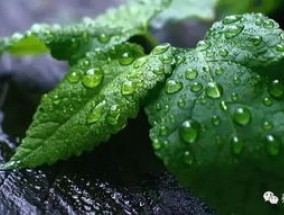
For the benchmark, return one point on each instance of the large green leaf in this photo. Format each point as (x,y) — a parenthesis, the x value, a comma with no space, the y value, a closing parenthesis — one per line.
(72,42)
(95,100)
(218,123)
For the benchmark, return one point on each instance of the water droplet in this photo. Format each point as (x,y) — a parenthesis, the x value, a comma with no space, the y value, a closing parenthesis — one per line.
(236,80)
(233,30)
(164,131)
(242,116)
(159,71)
(173,86)
(114,114)
(216,120)
(223,105)
(140,62)
(237,145)
(97,113)
(214,90)
(203,45)
(126,58)
(181,103)
(191,74)
(196,87)
(127,88)
(103,38)
(223,52)
(231,19)
(268,24)
(73,77)
(256,40)
(157,144)
(267,125)
(189,131)
(180,59)
(272,145)
(276,89)
(267,101)
(188,158)
(206,69)
(235,96)
(166,59)
(93,78)
(219,71)
(280,48)
(161,49)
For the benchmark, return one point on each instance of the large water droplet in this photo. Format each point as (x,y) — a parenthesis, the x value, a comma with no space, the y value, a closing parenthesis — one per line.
(196,87)
(164,131)
(93,78)
(126,58)
(242,116)
(188,158)
(127,88)
(231,19)
(161,49)
(276,89)
(280,48)
(216,120)
(73,77)
(237,145)
(256,40)
(233,30)
(267,101)
(114,114)
(173,86)
(191,74)
(214,90)
(97,113)
(273,145)
(103,38)
(189,131)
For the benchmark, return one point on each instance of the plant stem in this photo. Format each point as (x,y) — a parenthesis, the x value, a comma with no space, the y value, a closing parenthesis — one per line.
(152,40)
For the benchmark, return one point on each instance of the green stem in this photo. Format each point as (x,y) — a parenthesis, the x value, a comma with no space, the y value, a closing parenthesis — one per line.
(152,40)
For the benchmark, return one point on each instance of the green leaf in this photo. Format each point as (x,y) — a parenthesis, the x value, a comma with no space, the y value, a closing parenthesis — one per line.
(95,100)
(219,120)
(184,9)
(72,42)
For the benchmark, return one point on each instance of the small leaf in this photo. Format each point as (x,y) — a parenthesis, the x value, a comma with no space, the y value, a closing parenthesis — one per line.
(72,42)
(96,98)
(222,131)
(184,9)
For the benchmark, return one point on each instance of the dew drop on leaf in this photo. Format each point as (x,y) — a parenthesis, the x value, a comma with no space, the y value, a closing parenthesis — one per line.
(231,19)
(189,131)
(272,145)
(267,101)
(127,88)
(276,89)
(159,71)
(191,74)
(280,48)
(267,125)
(235,96)
(97,113)
(157,144)
(140,62)
(114,114)
(126,59)
(160,49)
(73,77)
(237,145)
(242,116)
(188,158)
(214,90)
(196,87)
(163,131)
(203,45)
(233,30)
(224,52)
(216,120)
(166,59)
(181,103)
(173,86)
(219,71)
(256,40)
(93,78)
(103,38)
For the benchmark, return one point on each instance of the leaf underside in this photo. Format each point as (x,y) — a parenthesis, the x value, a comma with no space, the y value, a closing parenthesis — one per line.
(218,122)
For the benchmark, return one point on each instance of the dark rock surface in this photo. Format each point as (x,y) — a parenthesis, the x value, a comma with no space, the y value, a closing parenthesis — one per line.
(121,176)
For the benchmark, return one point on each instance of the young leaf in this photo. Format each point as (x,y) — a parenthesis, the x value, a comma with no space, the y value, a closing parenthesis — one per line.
(184,9)
(95,100)
(72,42)
(218,123)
